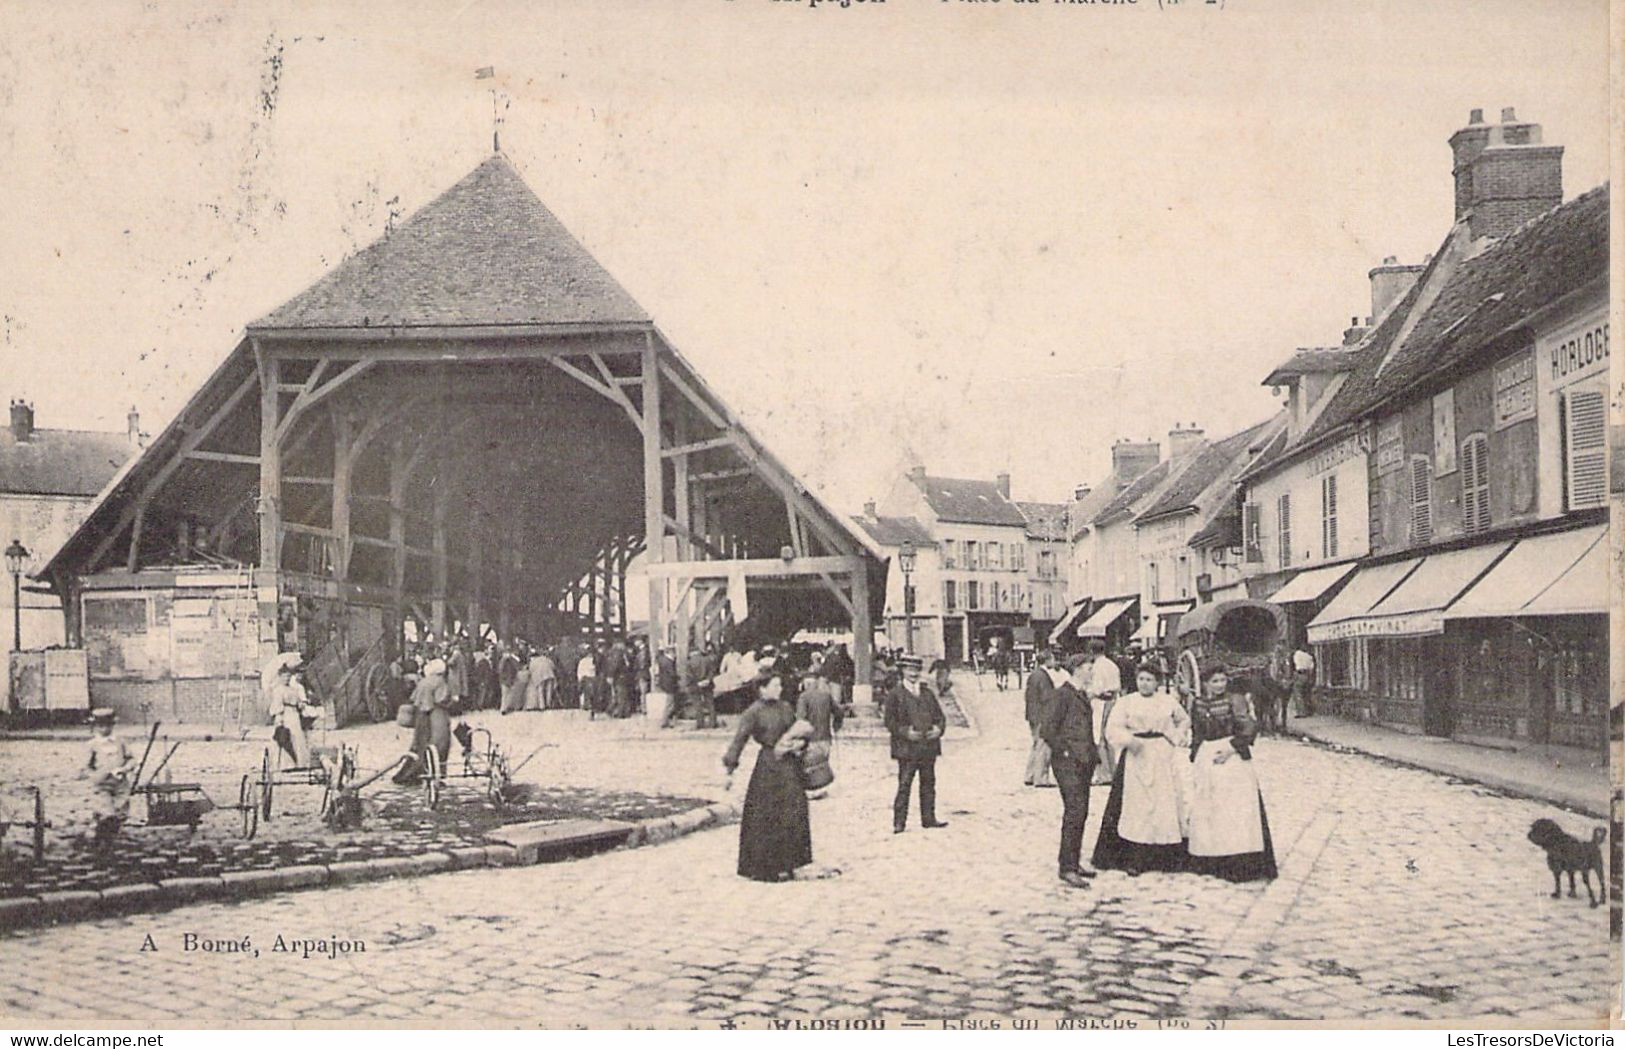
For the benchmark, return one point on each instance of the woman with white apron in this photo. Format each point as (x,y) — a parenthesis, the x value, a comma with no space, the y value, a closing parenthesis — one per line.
(1144,825)
(1229,832)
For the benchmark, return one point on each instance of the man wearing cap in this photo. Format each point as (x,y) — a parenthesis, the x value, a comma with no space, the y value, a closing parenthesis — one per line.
(110,765)
(1040,690)
(916,723)
(1069,730)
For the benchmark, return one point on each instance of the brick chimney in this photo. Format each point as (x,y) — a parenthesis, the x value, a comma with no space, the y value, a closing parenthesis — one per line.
(1355,331)
(1181,439)
(133,423)
(1504,175)
(22,420)
(869,509)
(917,474)
(1003,481)
(1389,283)
(1130,459)
(1081,492)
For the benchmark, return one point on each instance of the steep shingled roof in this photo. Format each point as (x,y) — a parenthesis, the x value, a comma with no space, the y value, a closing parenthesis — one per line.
(485,253)
(963,501)
(1045,521)
(61,462)
(892,531)
(1123,504)
(1209,465)
(1483,298)
(1312,361)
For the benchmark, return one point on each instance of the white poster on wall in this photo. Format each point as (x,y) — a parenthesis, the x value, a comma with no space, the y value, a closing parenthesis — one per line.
(1444,433)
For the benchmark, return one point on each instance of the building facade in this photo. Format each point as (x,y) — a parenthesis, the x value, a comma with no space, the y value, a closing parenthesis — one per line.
(1473,420)
(49,479)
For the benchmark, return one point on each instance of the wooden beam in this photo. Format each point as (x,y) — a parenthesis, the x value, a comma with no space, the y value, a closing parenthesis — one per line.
(307,480)
(270,506)
(307,529)
(606,389)
(654,484)
(342,463)
(839,592)
(754,567)
(132,560)
(726,440)
(694,398)
(194,438)
(224,457)
(721,475)
(312,395)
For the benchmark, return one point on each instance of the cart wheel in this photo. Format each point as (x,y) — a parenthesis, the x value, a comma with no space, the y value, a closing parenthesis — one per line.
(376,694)
(248,807)
(432,770)
(1189,673)
(39,825)
(267,784)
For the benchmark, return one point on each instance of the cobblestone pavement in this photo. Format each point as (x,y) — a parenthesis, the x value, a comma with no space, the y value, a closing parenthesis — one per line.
(1402,896)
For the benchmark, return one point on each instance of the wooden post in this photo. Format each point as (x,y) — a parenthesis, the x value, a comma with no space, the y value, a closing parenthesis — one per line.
(270,502)
(654,500)
(398,466)
(682,495)
(623,558)
(476,567)
(441,503)
(342,439)
(863,635)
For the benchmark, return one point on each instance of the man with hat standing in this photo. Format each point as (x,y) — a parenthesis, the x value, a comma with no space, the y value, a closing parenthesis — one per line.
(110,765)
(916,723)
(1068,728)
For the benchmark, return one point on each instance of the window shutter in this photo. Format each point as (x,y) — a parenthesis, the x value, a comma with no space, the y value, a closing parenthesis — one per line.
(1283,511)
(1475,485)
(1585,443)
(1421,500)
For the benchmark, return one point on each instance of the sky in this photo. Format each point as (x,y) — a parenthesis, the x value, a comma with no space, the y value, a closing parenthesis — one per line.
(979,236)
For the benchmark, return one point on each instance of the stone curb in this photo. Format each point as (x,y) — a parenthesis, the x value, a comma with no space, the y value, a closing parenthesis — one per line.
(70,905)
(1502,784)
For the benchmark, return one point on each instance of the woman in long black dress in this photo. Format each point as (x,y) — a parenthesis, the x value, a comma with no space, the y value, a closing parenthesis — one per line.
(775,836)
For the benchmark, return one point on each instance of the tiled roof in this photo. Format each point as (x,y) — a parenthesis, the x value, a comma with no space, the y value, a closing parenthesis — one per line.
(970,502)
(1484,297)
(1498,289)
(1223,530)
(1123,504)
(61,462)
(1045,520)
(1085,510)
(1312,361)
(1207,466)
(484,253)
(892,531)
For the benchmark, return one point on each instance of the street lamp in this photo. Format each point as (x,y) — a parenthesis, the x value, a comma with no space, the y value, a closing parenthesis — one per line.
(16,557)
(905,561)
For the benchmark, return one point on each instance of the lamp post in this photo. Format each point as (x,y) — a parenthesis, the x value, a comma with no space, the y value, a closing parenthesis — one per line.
(905,561)
(16,556)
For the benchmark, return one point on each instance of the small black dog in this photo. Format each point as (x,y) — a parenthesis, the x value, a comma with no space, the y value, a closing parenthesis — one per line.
(1565,853)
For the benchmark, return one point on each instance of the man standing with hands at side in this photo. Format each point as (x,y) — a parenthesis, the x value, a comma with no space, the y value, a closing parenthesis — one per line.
(916,723)
(1069,730)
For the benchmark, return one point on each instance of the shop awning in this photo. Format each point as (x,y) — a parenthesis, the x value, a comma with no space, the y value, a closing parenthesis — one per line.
(1311,583)
(1068,621)
(1104,616)
(1147,631)
(1368,586)
(1548,575)
(1415,606)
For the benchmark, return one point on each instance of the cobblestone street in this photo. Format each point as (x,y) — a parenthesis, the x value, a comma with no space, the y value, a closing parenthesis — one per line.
(1402,895)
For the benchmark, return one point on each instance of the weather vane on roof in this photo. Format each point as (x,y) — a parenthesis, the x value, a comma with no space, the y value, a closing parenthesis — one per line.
(489,73)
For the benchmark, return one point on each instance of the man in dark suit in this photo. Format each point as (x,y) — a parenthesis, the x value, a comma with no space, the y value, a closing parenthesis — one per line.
(1069,731)
(916,723)
(1040,689)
